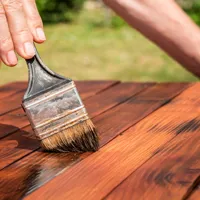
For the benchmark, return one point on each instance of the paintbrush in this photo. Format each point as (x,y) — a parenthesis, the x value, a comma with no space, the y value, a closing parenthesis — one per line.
(56,112)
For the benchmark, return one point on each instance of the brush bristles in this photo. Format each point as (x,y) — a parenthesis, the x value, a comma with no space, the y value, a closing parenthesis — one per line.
(79,138)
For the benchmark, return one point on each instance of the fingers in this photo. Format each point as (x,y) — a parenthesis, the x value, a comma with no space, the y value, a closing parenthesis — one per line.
(7,54)
(19,30)
(20,24)
(34,20)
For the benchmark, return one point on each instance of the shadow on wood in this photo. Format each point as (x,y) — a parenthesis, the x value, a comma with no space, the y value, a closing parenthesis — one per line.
(19,139)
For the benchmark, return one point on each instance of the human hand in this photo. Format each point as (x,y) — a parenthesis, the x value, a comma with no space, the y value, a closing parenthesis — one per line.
(20,25)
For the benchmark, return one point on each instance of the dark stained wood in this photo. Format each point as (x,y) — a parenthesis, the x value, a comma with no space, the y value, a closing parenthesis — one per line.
(14,150)
(117,151)
(11,103)
(173,167)
(102,171)
(16,146)
(108,126)
(33,171)
(14,120)
(160,92)
(114,96)
(11,88)
(86,90)
(134,110)
(125,149)
(90,88)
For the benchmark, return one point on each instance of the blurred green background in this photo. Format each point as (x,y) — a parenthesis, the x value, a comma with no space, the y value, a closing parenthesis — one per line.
(86,41)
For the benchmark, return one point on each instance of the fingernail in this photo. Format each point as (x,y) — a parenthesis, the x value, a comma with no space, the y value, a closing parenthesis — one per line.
(29,49)
(40,34)
(11,57)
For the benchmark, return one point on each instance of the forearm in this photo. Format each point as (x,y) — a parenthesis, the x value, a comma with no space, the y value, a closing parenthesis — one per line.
(167,25)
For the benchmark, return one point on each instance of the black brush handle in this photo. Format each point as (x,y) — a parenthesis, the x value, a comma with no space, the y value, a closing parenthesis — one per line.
(41,78)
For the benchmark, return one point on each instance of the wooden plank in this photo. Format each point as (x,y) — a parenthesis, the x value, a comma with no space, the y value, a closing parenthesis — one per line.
(12,121)
(129,111)
(90,88)
(195,195)
(16,146)
(112,97)
(23,176)
(98,174)
(117,150)
(173,168)
(37,161)
(11,104)
(105,124)
(86,90)
(14,150)
(160,92)
(11,88)
(193,191)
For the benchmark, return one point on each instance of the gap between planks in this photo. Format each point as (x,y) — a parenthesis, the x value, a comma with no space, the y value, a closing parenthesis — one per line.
(95,105)
(14,98)
(130,89)
(195,195)
(18,116)
(94,181)
(172,172)
(193,192)
(143,106)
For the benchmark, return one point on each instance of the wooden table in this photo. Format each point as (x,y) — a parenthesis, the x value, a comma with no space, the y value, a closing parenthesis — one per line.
(150,146)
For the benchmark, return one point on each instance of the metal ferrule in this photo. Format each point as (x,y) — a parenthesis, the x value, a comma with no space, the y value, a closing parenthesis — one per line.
(55,110)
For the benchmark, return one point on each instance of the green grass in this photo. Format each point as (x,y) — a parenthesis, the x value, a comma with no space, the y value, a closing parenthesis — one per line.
(88,50)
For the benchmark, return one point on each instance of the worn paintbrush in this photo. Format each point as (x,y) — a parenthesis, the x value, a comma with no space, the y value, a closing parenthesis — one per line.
(56,112)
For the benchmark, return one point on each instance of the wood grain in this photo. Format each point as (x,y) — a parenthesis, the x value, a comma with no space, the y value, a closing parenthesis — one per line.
(100,172)
(11,88)
(22,177)
(173,167)
(108,129)
(193,190)
(138,104)
(161,93)
(90,88)
(11,103)
(14,120)
(12,144)
(86,90)
(114,96)
(16,146)
(195,195)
